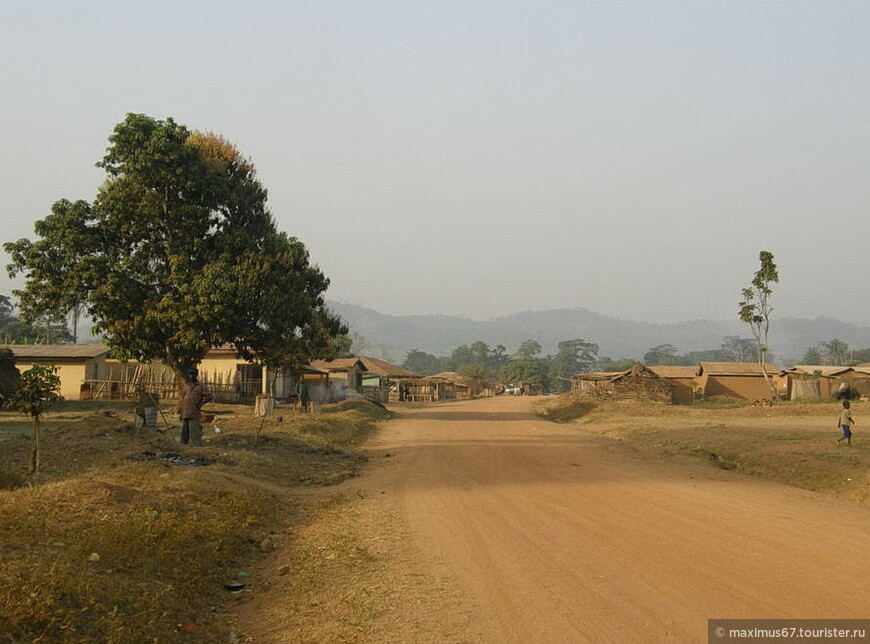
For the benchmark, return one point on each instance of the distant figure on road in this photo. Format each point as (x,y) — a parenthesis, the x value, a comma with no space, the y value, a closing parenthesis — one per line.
(194,395)
(845,423)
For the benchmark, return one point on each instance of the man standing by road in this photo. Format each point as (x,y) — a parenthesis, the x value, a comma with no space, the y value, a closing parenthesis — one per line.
(194,395)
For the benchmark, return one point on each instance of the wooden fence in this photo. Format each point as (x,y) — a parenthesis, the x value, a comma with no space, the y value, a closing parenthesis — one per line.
(124,381)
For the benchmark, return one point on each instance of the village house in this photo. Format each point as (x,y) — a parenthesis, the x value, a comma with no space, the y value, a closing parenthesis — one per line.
(684,382)
(76,364)
(823,381)
(88,371)
(381,377)
(345,376)
(447,385)
(230,378)
(640,383)
(738,380)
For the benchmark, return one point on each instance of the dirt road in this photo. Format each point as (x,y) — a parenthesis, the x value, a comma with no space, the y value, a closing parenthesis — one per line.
(557,534)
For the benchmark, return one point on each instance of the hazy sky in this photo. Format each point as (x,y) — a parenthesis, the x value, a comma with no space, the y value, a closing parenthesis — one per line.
(483,158)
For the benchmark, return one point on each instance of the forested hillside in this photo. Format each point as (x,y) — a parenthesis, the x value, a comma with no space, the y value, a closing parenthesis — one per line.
(393,336)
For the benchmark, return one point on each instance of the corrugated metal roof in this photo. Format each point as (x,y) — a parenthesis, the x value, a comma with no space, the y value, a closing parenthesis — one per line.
(339,364)
(66,351)
(385,369)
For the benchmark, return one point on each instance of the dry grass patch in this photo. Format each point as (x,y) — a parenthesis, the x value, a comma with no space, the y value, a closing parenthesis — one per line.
(791,443)
(116,540)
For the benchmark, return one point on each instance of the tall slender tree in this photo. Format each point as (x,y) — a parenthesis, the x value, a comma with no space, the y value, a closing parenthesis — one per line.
(755,309)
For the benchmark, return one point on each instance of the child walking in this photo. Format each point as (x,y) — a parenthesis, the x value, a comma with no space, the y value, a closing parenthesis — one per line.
(845,423)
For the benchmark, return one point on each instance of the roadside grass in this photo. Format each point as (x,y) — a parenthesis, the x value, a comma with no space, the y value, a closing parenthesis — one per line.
(113,542)
(790,442)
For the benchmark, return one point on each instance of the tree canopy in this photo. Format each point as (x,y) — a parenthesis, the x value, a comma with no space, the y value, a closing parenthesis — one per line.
(662,354)
(178,253)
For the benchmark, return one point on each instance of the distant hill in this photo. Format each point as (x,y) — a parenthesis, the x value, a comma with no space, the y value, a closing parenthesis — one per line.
(395,335)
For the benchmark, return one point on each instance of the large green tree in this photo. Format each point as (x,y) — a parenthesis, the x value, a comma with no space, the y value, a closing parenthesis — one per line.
(477,376)
(662,354)
(178,253)
(836,352)
(421,362)
(572,357)
(478,353)
(813,356)
(528,350)
(738,349)
(530,371)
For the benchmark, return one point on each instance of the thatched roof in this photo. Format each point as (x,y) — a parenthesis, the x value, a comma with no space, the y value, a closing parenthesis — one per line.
(674,371)
(448,376)
(636,370)
(599,375)
(339,364)
(735,369)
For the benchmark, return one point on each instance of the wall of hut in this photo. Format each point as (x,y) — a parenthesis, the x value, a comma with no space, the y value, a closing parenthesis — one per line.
(736,386)
(857,380)
(684,390)
(808,388)
(71,371)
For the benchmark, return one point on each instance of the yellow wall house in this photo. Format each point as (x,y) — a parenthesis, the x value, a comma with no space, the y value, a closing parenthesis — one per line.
(87,371)
(75,363)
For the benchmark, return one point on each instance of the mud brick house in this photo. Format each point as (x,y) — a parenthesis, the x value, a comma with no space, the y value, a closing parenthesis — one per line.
(737,380)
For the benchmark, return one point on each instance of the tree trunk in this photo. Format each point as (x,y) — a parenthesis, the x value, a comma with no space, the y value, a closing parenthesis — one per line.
(34,448)
(769,382)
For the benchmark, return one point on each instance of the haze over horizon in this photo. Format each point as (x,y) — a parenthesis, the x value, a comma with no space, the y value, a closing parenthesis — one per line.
(480,159)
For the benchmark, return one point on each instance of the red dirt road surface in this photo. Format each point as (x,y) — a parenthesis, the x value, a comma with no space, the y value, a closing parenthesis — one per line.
(557,534)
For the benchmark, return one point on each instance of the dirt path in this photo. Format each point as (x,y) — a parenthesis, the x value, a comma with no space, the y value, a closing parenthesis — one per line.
(499,527)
